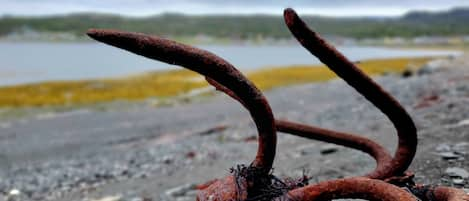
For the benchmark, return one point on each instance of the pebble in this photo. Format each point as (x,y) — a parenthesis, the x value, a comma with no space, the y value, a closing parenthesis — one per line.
(457,172)
(14,192)
(109,198)
(463,122)
(180,191)
(430,67)
(458,181)
(449,155)
(443,148)
(306,149)
(461,147)
(329,149)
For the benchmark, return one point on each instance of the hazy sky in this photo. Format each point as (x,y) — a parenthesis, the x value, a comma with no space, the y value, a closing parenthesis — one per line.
(149,7)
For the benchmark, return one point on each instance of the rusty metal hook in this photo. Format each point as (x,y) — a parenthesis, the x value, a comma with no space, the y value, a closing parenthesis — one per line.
(402,121)
(347,70)
(209,65)
(353,188)
(378,152)
(228,79)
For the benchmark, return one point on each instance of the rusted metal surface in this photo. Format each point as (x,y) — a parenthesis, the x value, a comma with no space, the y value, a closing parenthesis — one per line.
(224,189)
(221,71)
(349,72)
(378,152)
(255,181)
(448,194)
(209,65)
(354,188)
(395,170)
(438,193)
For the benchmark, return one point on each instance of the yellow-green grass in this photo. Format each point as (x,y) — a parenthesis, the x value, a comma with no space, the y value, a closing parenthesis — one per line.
(157,84)
(164,84)
(274,77)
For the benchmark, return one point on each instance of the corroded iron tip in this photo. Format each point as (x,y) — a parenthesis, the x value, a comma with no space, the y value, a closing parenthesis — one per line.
(289,13)
(209,65)
(354,188)
(374,93)
(101,34)
(92,32)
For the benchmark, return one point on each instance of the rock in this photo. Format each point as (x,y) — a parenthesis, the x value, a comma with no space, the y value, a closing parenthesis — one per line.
(190,155)
(109,198)
(462,146)
(213,130)
(407,73)
(136,199)
(307,149)
(185,199)
(464,122)
(168,160)
(457,172)
(449,155)
(14,192)
(430,67)
(443,148)
(427,101)
(458,181)
(180,190)
(328,149)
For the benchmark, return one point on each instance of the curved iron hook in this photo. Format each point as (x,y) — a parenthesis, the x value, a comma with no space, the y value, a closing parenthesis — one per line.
(438,193)
(345,69)
(209,65)
(378,152)
(354,188)
(441,193)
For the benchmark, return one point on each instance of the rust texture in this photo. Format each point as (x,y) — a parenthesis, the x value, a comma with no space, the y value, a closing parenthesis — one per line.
(209,65)
(255,181)
(449,194)
(349,72)
(378,152)
(355,188)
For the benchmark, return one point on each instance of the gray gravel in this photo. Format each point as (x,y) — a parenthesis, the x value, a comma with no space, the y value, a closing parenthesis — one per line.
(148,153)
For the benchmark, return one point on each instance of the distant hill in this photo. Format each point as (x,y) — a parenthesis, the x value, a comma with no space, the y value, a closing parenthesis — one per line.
(449,23)
(454,14)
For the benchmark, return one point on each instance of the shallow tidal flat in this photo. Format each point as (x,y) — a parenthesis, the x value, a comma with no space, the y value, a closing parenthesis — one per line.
(174,83)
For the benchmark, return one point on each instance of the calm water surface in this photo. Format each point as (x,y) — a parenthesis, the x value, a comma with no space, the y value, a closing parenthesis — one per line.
(34,62)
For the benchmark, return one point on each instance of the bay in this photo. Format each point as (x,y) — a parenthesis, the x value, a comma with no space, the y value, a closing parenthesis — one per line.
(29,62)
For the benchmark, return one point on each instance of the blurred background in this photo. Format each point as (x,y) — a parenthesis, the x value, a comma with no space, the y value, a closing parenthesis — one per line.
(43,41)
(80,120)
(46,41)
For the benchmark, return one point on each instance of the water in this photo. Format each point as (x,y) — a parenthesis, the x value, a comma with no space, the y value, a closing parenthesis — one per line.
(34,62)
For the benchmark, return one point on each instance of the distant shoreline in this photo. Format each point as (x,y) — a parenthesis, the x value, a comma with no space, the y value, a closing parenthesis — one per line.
(37,62)
(449,23)
(160,86)
(449,42)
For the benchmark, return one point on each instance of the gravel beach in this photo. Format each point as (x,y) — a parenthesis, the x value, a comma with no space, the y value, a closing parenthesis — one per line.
(149,153)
